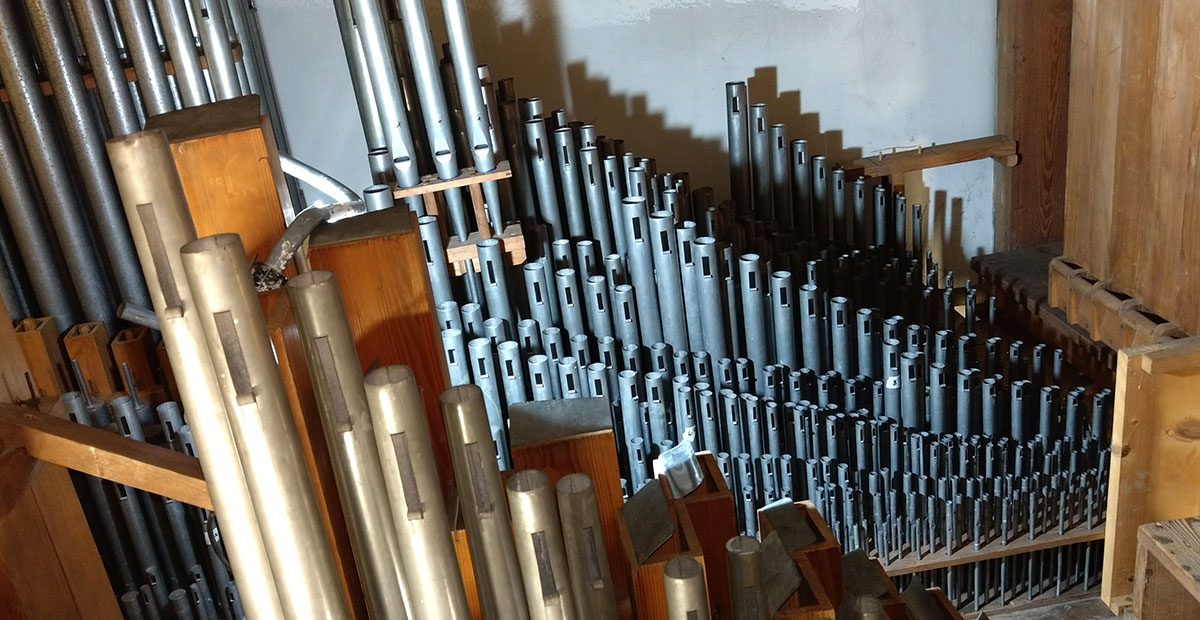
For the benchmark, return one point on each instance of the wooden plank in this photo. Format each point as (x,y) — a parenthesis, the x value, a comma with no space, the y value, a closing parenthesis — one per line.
(33,582)
(512,242)
(999,147)
(87,345)
(1156,450)
(1176,546)
(38,338)
(105,455)
(968,554)
(1080,134)
(1034,51)
(430,183)
(74,547)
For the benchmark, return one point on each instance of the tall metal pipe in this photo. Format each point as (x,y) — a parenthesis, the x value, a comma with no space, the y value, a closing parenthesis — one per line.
(538,537)
(189,75)
(37,248)
(100,46)
(435,586)
(347,422)
(86,139)
(433,108)
(212,26)
(739,146)
(474,108)
(482,501)
(219,274)
(138,27)
(51,169)
(360,81)
(161,223)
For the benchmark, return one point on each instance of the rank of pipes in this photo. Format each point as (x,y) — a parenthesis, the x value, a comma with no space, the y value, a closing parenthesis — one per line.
(803,333)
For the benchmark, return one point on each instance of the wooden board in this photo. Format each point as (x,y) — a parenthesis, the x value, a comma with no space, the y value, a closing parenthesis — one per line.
(1156,452)
(49,564)
(999,147)
(103,454)
(1033,64)
(380,267)
(229,167)
(1168,570)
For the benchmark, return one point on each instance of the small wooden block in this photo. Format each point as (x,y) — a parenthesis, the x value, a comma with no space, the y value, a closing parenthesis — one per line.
(1062,270)
(43,353)
(133,348)
(1107,306)
(512,242)
(87,344)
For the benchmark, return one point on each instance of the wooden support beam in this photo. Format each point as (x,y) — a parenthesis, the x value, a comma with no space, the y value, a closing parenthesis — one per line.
(105,455)
(1001,148)
(967,555)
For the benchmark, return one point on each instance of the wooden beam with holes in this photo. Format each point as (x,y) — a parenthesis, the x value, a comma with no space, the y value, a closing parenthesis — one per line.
(1001,148)
(100,453)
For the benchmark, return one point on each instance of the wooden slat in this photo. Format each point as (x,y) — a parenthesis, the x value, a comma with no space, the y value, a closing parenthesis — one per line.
(966,555)
(1001,148)
(1176,547)
(105,455)
(1155,453)
(430,183)
(1034,51)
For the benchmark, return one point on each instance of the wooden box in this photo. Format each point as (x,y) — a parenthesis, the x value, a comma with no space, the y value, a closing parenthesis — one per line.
(646,578)
(710,508)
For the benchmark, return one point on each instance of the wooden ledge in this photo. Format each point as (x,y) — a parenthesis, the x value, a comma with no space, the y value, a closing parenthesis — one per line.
(1001,148)
(104,454)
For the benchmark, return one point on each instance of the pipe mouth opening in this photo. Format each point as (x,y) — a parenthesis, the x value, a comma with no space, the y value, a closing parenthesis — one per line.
(461,394)
(528,480)
(211,243)
(389,375)
(310,278)
(682,567)
(571,484)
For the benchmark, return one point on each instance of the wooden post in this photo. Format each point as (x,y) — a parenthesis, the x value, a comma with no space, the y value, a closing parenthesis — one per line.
(1155,452)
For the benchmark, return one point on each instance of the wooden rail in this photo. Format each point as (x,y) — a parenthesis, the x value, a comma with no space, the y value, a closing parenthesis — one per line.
(1001,148)
(993,550)
(104,454)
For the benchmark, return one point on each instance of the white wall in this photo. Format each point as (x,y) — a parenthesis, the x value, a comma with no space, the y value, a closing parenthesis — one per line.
(851,76)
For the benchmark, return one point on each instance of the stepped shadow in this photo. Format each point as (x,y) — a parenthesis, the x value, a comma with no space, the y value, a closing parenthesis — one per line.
(785,107)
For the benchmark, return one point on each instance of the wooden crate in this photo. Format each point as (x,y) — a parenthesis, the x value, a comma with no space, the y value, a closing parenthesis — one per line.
(1167,577)
(710,508)
(646,578)
(1155,452)
(1131,199)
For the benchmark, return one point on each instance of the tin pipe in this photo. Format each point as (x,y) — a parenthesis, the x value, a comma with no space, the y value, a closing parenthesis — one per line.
(664,250)
(337,377)
(418,518)
(483,372)
(596,302)
(493,270)
(482,501)
(538,146)
(100,45)
(137,24)
(51,170)
(641,269)
(159,219)
(684,588)
(781,182)
(189,75)
(746,579)
(821,208)
(219,273)
(539,543)
(760,163)
(37,249)
(565,156)
(838,214)
(813,326)
(86,139)
(379,67)
(739,146)
(801,192)
(594,190)
(583,541)
(569,302)
(710,287)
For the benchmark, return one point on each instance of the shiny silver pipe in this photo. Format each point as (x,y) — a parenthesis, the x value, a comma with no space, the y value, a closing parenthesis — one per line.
(664,250)
(43,263)
(420,521)
(385,85)
(483,503)
(641,268)
(494,272)
(360,81)
(212,26)
(435,259)
(104,60)
(433,109)
(218,273)
(760,162)
(686,593)
(52,170)
(538,147)
(781,182)
(86,139)
(746,581)
(801,189)
(474,107)
(138,27)
(320,181)
(189,75)
(540,551)
(342,402)
(159,220)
